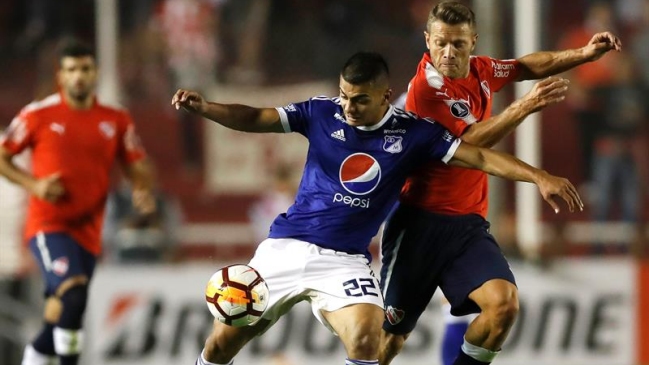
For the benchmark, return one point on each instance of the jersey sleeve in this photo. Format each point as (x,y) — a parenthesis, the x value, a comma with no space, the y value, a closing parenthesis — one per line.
(500,72)
(130,145)
(295,117)
(19,135)
(440,142)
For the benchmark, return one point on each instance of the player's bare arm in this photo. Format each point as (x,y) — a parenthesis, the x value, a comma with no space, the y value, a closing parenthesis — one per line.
(509,167)
(140,174)
(544,93)
(543,64)
(234,116)
(48,188)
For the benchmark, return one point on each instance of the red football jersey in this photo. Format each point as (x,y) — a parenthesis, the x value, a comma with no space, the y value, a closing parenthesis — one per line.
(456,104)
(82,145)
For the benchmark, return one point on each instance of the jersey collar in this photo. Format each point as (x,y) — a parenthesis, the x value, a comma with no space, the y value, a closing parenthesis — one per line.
(380,124)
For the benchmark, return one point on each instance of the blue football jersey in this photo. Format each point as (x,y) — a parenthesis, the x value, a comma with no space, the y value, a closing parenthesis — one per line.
(353,175)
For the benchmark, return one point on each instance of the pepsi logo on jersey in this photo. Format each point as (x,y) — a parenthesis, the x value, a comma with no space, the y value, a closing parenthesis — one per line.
(359,174)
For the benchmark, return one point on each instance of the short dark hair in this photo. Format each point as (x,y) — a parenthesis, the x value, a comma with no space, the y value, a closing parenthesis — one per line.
(364,67)
(75,48)
(453,13)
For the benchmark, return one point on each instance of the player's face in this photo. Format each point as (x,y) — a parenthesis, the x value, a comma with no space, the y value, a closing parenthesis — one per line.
(450,47)
(78,77)
(364,104)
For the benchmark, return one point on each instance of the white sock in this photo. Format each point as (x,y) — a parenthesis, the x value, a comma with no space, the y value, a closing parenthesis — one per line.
(201,360)
(33,357)
(479,353)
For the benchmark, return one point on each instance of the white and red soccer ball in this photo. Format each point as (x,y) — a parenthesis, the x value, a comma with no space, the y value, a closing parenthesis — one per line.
(237,295)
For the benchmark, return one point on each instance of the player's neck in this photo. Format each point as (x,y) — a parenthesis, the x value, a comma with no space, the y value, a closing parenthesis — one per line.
(460,77)
(381,117)
(79,104)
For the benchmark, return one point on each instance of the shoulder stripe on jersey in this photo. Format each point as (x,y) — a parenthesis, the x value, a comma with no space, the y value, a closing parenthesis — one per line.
(404,114)
(284,119)
(335,100)
(53,99)
(433,77)
(321,97)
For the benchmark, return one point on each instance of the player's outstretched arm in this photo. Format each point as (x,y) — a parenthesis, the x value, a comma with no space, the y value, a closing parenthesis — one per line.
(48,188)
(509,167)
(140,174)
(547,63)
(234,116)
(546,92)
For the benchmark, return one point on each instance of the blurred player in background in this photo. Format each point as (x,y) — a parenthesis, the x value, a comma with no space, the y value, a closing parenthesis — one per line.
(361,150)
(74,142)
(442,208)
(130,236)
(276,199)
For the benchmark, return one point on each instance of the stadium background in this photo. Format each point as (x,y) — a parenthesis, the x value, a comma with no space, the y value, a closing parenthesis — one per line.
(584,282)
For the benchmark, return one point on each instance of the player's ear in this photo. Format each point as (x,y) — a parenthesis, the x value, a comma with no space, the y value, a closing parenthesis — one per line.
(427,38)
(475,41)
(387,95)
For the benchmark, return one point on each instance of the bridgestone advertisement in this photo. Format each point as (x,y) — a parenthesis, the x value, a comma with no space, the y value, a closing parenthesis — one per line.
(579,312)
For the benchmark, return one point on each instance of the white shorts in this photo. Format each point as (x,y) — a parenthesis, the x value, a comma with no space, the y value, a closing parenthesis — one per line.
(296,270)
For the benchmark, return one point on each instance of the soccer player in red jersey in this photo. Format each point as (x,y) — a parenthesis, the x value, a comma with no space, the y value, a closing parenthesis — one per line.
(438,236)
(74,142)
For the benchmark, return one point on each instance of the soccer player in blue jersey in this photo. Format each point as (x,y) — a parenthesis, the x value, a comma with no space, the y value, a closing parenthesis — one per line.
(360,151)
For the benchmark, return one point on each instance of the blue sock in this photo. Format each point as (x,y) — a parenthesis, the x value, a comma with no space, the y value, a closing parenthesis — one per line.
(361,362)
(452,341)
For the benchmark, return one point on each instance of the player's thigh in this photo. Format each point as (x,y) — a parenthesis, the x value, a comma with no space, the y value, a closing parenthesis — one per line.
(280,262)
(414,254)
(338,281)
(481,262)
(61,260)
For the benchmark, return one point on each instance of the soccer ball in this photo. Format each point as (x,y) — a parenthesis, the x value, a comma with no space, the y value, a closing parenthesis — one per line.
(237,295)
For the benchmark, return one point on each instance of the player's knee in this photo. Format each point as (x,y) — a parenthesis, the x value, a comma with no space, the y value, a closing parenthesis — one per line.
(502,308)
(363,344)
(52,311)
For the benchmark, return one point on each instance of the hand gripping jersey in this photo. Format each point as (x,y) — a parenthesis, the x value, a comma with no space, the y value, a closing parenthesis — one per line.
(456,104)
(81,145)
(353,175)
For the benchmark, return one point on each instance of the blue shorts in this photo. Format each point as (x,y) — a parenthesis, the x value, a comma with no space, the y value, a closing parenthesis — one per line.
(423,251)
(59,256)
